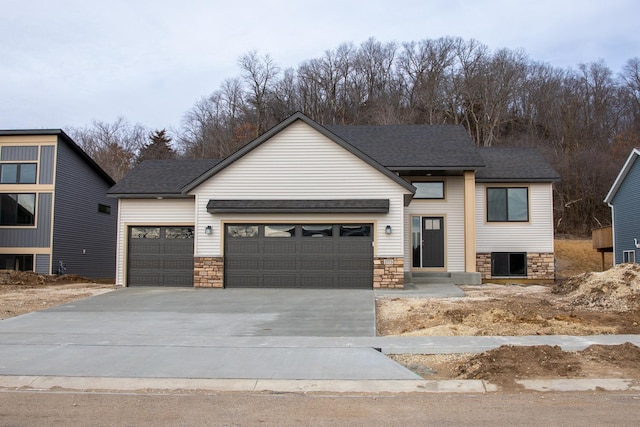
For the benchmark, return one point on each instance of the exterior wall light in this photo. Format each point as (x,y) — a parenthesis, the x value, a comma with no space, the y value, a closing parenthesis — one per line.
(208,230)
(387,230)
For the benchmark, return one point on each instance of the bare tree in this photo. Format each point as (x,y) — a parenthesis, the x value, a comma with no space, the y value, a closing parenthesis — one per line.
(114,146)
(260,75)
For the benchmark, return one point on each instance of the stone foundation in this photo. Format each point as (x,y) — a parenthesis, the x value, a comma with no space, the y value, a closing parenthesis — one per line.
(208,272)
(388,272)
(540,266)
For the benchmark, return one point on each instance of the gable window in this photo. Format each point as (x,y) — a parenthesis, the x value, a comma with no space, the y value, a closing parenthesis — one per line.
(506,204)
(508,264)
(629,256)
(17,209)
(18,173)
(429,190)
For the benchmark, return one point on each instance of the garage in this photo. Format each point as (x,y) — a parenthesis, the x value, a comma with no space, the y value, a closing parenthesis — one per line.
(298,256)
(160,256)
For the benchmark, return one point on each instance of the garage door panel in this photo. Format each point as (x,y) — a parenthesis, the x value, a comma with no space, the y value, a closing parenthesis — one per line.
(280,280)
(280,246)
(316,245)
(279,263)
(244,280)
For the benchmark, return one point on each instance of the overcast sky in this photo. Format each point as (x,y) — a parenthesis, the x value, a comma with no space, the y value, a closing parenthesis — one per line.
(68,62)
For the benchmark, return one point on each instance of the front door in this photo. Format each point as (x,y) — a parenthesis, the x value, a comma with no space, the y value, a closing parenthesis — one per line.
(432,241)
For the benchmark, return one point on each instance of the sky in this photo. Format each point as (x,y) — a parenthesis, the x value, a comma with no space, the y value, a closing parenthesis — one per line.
(67,63)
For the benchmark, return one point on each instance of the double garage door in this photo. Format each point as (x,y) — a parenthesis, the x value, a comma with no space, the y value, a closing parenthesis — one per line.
(299,256)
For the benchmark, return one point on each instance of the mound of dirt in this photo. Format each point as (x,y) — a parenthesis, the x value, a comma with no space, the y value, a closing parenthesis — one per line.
(505,365)
(614,290)
(27,278)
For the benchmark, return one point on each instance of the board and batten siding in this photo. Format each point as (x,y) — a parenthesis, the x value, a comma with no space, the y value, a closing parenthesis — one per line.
(148,212)
(536,235)
(626,214)
(452,209)
(300,163)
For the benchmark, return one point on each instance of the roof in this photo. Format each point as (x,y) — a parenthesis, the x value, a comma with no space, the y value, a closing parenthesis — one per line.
(160,178)
(622,175)
(67,140)
(416,147)
(519,164)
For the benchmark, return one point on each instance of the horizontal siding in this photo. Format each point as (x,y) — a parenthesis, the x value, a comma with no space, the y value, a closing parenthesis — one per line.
(452,208)
(626,214)
(533,236)
(148,212)
(301,163)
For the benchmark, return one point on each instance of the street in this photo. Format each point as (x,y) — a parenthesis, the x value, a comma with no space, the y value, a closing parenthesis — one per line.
(193,408)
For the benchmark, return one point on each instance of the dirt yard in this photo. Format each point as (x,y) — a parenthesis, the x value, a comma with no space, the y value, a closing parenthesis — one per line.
(22,293)
(586,304)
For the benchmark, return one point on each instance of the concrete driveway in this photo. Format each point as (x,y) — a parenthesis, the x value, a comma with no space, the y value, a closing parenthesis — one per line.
(201,333)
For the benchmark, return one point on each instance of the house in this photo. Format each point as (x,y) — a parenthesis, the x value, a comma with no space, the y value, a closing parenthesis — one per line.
(624,200)
(55,215)
(306,205)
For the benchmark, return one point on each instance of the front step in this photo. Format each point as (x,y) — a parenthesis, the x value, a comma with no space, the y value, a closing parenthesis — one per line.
(456,278)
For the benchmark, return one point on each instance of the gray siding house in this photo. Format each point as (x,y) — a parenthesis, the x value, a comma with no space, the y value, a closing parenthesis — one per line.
(624,200)
(54,209)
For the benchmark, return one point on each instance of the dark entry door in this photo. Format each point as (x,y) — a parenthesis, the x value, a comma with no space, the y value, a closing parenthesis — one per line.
(433,241)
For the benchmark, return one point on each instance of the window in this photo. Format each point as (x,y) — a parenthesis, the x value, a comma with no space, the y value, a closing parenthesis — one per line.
(629,256)
(105,209)
(17,209)
(145,232)
(507,204)
(18,173)
(355,231)
(317,230)
(178,232)
(429,190)
(242,231)
(279,230)
(508,264)
(16,262)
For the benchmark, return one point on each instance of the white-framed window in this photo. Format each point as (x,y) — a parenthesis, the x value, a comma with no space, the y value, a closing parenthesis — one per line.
(429,190)
(507,204)
(629,256)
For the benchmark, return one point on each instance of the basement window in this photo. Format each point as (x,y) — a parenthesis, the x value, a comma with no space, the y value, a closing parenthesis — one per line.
(629,256)
(508,264)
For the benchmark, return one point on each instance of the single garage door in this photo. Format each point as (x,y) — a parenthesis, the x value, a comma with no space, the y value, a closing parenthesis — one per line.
(299,256)
(160,256)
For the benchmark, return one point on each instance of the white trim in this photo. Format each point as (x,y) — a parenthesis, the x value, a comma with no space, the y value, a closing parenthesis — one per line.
(621,176)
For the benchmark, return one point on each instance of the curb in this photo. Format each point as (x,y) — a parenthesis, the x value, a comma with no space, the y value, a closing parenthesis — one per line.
(95,384)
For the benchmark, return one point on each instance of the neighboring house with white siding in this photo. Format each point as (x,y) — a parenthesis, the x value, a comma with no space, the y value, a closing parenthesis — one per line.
(54,209)
(306,205)
(624,200)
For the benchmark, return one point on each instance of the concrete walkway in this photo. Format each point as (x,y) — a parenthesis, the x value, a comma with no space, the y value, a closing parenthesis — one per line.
(281,340)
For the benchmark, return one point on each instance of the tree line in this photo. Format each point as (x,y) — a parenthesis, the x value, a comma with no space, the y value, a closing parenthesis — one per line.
(584,120)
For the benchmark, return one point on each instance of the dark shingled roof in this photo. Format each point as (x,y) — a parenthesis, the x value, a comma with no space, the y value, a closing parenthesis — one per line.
(515,165)
(161,177)
(413,146)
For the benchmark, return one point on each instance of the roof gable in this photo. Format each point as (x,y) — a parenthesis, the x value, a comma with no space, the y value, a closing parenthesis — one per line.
(622,175)
(279,128)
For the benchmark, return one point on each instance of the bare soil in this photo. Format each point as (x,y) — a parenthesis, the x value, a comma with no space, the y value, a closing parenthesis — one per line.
(22,292)
(585,304)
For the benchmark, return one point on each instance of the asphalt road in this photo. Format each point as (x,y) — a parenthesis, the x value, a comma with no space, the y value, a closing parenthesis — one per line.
(27,408)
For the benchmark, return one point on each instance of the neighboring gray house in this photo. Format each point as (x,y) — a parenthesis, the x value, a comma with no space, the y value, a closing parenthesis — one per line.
(54,208)
(624,200)
(306,205)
